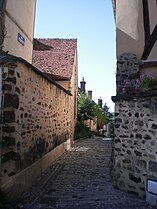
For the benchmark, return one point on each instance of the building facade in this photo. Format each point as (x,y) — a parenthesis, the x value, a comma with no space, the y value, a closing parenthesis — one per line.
(135,144)
(17,31)
(38,100)
(57,59)
(36,124)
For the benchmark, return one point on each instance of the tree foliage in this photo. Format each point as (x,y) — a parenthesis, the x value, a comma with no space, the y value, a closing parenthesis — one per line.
(107,113)
(109,118)
(82,131)
(87,109)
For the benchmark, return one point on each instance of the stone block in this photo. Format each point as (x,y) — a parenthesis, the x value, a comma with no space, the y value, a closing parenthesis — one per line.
(11,100)
(154,126)
(8,116)
(7,87)
(8,129)
(134,178)
(8,141)
(10,156)
(11,80)
(11,71)
(137,153)
(153,166)
(17,90)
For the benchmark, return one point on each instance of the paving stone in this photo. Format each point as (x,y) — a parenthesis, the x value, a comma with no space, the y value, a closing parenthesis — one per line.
(80,179)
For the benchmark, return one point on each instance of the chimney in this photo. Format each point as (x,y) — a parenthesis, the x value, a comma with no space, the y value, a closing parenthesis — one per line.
(90,94)
(82,85)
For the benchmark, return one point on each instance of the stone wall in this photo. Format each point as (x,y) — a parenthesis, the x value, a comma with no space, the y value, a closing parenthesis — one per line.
(92,124)
(36,119)
(134,151)
(135,143)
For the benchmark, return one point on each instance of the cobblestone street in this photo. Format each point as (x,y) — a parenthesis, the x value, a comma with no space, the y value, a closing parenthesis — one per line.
(80,179)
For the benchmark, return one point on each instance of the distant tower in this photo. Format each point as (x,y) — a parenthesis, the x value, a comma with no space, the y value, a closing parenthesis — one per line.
(83,85)
(100,103)
(90,94)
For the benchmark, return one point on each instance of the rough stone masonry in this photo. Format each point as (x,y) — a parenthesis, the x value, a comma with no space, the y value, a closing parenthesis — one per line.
(135,143)
(135,153)
(36,119)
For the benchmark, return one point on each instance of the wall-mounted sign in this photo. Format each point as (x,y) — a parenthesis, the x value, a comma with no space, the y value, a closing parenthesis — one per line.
(151,186)
(21,39)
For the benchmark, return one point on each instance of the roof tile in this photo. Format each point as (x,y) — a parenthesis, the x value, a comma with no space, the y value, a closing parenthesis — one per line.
(55,57)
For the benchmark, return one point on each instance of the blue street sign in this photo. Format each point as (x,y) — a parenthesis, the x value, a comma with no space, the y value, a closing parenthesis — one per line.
(21,39)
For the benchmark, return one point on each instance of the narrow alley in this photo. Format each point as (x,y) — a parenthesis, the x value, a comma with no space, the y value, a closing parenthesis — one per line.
(80,179)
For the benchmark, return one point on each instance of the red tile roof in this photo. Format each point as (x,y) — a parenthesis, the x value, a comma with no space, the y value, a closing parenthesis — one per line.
(55,57)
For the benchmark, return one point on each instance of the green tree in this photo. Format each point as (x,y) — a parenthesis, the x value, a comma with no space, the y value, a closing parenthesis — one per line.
(101,120)
(106,111)
(109,118)
(87,109)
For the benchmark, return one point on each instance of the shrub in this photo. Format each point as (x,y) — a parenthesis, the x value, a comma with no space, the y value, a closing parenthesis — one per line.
(82,131)
(7,204)
(144,83)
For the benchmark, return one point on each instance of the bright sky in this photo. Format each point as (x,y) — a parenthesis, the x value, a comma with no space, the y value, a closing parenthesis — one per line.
(92,23)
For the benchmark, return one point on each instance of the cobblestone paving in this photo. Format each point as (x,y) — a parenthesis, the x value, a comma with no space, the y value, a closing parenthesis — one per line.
(80,179)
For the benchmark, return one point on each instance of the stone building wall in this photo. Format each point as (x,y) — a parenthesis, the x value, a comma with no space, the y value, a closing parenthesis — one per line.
(36,122)
(92,124)
(135,143)
(134,151)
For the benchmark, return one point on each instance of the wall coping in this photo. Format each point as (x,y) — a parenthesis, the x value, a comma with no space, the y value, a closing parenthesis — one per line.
(10,59)
(130,97)
(150,63)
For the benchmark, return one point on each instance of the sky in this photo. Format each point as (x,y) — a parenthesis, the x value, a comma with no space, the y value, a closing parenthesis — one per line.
(91,22)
